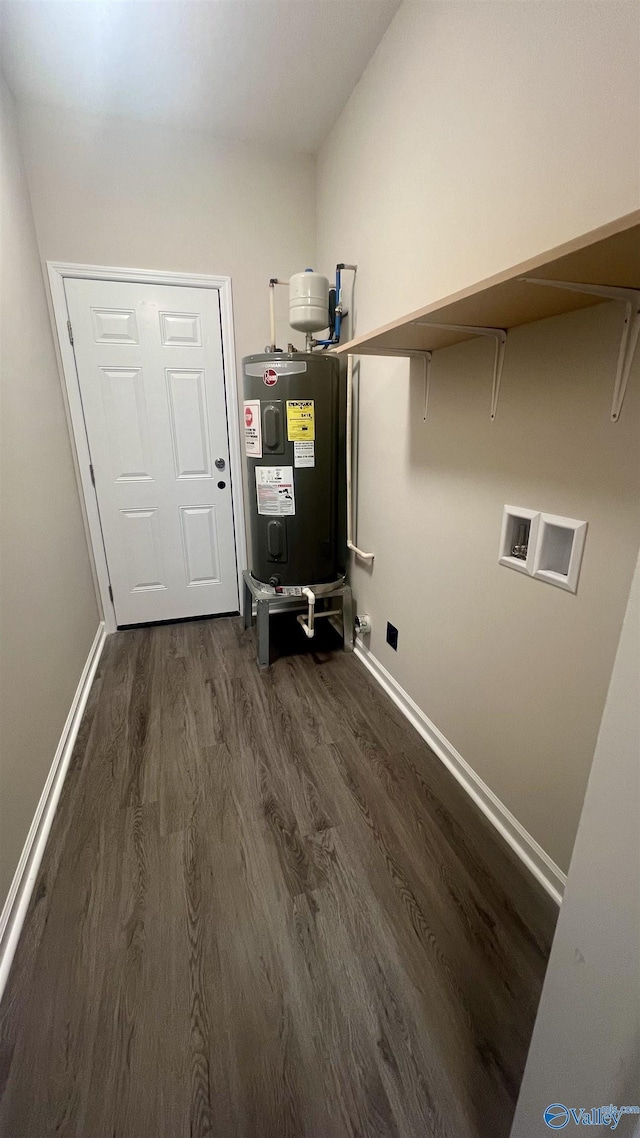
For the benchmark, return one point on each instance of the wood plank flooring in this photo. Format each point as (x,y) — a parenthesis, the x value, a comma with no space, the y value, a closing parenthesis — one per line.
(266,910)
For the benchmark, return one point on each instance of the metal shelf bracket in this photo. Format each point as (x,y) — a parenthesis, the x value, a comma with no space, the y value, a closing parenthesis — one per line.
(630,297)
(417,354)
(426,359)
(500,337)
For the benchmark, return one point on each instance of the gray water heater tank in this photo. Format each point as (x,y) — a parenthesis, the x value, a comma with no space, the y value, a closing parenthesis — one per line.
(294,443)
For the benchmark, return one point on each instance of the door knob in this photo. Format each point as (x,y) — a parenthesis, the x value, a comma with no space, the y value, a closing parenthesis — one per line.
(220,464)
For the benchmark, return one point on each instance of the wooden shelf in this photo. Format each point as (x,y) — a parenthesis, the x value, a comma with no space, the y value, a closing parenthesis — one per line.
(609,256)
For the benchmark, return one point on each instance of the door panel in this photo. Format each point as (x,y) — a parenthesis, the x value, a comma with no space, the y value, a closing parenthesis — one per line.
(125,410)
(111,326)
(143,549)
(149,361)
(189,423)
(180,329)
(200,543)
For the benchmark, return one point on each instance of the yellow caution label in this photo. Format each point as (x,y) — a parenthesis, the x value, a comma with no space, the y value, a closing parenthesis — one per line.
(301,420)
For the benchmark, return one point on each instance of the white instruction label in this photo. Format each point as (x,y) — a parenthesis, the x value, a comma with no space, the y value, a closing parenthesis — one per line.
(304,454)
(274,490)
(252,429)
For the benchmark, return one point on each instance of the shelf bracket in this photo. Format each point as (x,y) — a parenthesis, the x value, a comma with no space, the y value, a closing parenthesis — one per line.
(500,337)
(630,297)
(426,359)
(412,354)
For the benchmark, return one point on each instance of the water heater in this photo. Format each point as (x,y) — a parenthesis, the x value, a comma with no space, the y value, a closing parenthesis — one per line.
(294,435)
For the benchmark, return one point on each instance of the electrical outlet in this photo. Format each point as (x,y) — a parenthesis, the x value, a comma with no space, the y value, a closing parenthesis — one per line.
(392,636)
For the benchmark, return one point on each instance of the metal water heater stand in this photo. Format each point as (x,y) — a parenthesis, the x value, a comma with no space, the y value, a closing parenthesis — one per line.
(266,598)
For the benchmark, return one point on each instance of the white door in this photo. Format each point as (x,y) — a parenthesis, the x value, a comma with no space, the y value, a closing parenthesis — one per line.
(150,370)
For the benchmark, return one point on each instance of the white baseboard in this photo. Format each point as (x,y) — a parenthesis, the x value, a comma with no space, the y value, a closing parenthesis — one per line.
(17,903)
(531,854)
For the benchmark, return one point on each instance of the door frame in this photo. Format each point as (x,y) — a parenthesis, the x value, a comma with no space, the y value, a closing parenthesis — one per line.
(57,271)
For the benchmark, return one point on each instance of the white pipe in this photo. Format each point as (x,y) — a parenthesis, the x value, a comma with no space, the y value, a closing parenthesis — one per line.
(272,317)
(272,310)
(309,624)
(350,543)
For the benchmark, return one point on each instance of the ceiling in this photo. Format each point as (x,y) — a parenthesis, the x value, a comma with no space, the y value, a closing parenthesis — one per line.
(276,72)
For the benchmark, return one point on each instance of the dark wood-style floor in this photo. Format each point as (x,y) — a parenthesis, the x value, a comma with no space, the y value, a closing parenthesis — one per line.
(265,910)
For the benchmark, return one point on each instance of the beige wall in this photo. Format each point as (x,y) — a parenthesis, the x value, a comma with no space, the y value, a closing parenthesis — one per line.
(138,195)
(481,134)
(48,610)
(585,1049)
